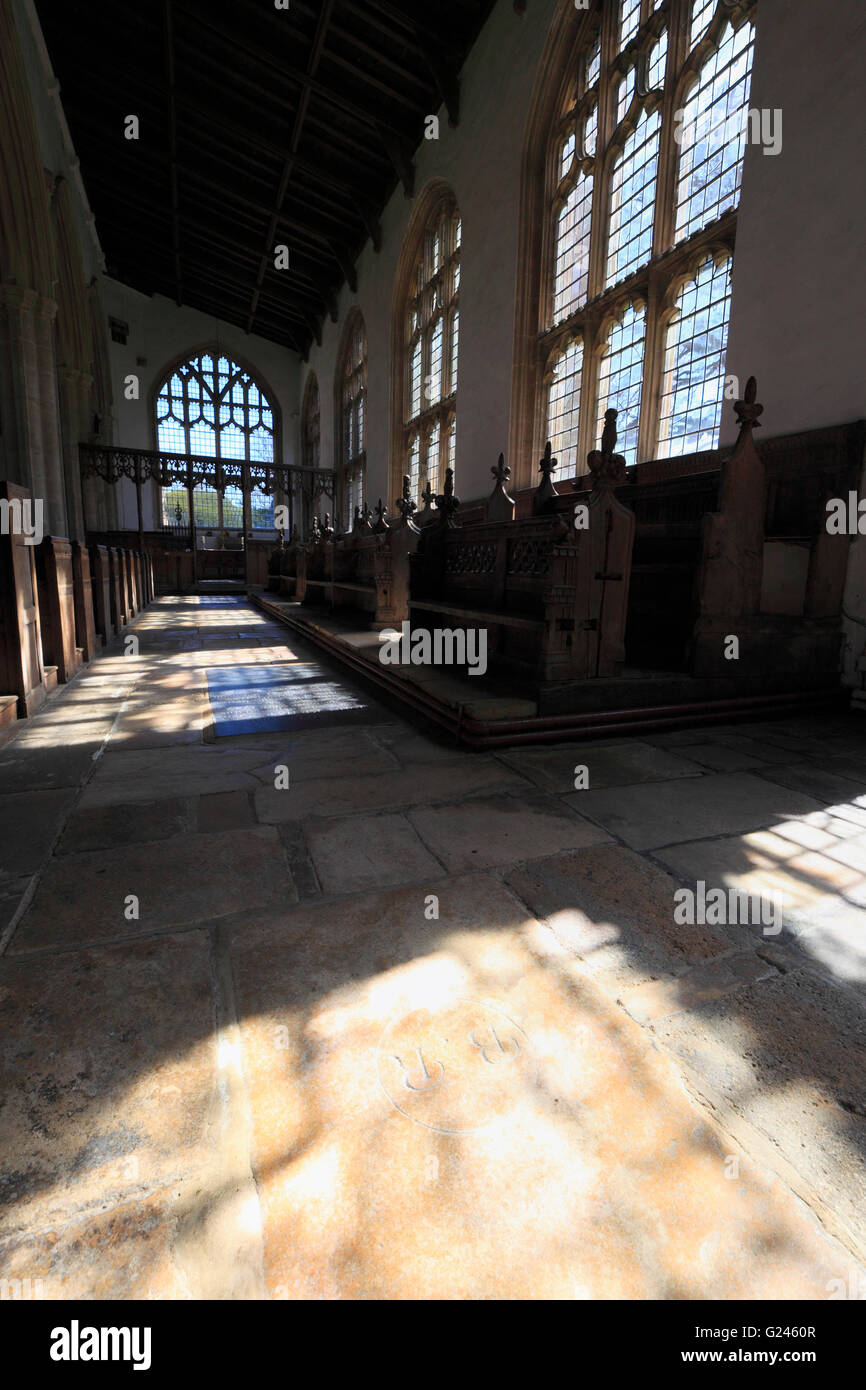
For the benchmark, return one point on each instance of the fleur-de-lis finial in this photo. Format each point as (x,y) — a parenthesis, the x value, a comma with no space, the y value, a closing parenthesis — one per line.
(547,463)
(748,410)
(404,503)
(545,493)
(446,502)
(501,472)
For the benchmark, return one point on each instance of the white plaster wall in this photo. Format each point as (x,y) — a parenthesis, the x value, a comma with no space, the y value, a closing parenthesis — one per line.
(799,296)
(799,291)
(159,331)
(481,161)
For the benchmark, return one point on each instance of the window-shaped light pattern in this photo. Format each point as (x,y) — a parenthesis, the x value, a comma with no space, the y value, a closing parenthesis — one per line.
(712,127)
(432,320)
(213,407)
(353,440)
(629,20)
(702,13)
(563,406)
(632,200)
(620,380)
(694,368)
(571,266)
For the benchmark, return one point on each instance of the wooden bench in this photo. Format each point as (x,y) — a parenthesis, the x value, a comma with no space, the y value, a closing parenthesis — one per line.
(552,597)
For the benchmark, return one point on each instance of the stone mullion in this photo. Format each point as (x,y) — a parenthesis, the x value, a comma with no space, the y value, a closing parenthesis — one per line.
(666,178)
(653,358)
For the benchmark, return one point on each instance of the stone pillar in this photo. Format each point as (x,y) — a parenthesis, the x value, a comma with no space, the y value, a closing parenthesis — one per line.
(57,606)
(100,576)
(131,598)
(19,382)
(55,491)
(74,391)
(118,599)
(21,671)
(134,604)
(123,571)
(85,626)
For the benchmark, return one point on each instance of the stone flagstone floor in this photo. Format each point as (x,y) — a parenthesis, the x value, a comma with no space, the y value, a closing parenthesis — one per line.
(420,1023)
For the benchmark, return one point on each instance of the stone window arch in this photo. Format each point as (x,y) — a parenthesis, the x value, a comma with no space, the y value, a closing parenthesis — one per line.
(631,181)
(351,403)
(425,342)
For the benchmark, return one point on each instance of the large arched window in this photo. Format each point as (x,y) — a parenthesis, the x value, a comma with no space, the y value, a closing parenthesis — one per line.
(645,121)
(311,424)
(212,406)
(351,418)
(425,342)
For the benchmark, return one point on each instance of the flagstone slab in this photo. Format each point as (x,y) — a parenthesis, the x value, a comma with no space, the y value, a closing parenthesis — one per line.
(789,1055)
(84,897)
(158,774)
(650,817)
(126,1252)
(438,1114)
(50,767)
(110,1082)
(722,757)
(131,823)
(608,765)
(829,787)
(31,822)
(358,853)
(391,790)
(486,831)
(615,912)
(766,864)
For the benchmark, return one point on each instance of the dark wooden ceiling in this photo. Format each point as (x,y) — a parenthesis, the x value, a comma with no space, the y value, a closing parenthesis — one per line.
(258,127)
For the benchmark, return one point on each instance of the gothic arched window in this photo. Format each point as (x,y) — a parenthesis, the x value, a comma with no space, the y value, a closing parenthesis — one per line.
(352,419)
(311,424)
(649,116)
(430,337)
(213,407)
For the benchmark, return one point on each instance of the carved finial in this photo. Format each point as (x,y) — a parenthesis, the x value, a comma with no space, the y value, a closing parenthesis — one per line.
(365,517)
(501,472)
(446,502)
(747,410)
(500,507)
(404,503)
(315,529)
(548,464)
(543,497)
(608,434)
(606,467)
(428,496)
(356,525)
(381,513)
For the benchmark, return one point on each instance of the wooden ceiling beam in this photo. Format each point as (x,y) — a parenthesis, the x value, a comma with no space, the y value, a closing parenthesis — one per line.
(300,114)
